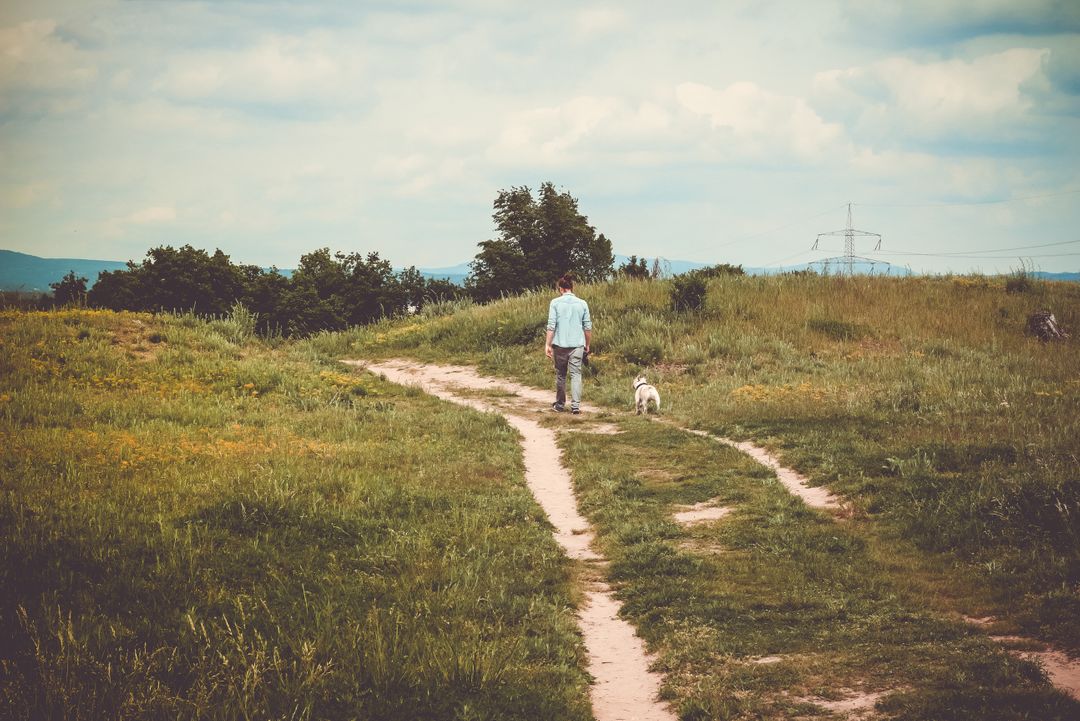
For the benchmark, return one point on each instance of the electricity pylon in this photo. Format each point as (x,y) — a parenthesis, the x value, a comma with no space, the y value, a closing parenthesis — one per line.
(849,234)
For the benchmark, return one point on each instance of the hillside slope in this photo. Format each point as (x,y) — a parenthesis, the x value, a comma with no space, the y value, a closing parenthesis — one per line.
(920,401)
(198,524)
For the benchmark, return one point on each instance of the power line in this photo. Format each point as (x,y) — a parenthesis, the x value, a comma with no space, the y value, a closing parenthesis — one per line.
(782,227)
(785,260)
(979,257)
(972,253)
(970,202)
(849,232)
(1019,247)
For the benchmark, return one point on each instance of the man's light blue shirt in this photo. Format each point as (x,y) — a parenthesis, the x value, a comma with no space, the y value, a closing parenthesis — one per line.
(568,316)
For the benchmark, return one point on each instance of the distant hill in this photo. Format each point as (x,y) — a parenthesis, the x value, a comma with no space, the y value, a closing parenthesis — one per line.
(453,273)
(31,274)
(1074,277)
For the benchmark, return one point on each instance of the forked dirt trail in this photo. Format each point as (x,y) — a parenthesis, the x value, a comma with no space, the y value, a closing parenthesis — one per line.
(624,688)
(796,483)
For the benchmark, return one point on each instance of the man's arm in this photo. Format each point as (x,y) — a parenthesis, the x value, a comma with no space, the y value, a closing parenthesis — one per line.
(586,325)
(551,322)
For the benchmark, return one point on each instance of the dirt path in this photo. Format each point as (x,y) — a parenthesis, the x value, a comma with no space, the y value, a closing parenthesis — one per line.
(624,688)
(795,482)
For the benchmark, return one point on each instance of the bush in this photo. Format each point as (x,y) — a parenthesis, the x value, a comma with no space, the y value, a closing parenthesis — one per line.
(719,270)
(688,292)
(1020,280)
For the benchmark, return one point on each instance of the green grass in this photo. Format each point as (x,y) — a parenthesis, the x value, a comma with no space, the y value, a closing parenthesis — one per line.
(196,524)
(775,579)
(920,400)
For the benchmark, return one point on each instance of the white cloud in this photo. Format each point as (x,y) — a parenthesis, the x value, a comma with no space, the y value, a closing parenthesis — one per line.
(24,195)
(279,69)
(756,123)
(153,214)
(32,55)
(150,216)
(599,19)
(546,136)
(955,179)
(939,21)
(381,128)
(899,97)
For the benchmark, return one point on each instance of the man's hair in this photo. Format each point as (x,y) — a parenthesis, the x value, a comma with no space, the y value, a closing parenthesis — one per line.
(567,282)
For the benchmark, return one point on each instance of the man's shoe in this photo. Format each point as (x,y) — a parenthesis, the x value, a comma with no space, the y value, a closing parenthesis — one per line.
(557,407)
(575,411)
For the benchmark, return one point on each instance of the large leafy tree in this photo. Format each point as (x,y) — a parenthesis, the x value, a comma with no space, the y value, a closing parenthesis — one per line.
(334,291)
(71,289)
(184,278)
(540,238)
(634,267)
(327,291)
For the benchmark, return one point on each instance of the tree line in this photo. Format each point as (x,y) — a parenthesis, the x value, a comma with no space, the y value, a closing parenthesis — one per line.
(539,237)
(327,291)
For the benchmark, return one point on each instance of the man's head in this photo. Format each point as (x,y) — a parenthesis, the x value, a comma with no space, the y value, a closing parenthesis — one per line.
(566,283)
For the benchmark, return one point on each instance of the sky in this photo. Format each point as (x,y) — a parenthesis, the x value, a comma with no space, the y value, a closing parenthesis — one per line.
(717,132)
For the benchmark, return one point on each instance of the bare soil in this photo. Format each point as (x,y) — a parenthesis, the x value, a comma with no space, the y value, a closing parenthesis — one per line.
(701,512)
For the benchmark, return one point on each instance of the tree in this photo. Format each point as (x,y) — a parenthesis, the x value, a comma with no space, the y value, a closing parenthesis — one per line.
(70,290)
(539,240)
(328,291)
(264,293)
(117,290)
(499,269)
(172,279)
(372,291)
(412,286)
(334,291)
(439,290)
(634,267)
(314,299)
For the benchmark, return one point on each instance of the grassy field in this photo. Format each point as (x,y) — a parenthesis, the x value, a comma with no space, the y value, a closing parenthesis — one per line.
(953,435)
(198,524)
(777,611)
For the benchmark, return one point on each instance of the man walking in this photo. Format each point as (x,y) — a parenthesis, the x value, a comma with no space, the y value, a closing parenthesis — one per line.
(569,334)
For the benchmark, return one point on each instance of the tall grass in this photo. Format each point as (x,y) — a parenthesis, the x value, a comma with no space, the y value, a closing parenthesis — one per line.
(919,399)
(195,523)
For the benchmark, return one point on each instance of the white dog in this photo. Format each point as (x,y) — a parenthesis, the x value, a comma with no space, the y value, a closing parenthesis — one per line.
(643,393)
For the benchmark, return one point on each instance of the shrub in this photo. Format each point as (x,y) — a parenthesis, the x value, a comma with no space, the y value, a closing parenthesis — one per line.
(688,292)
(718,270)
(1020,280)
